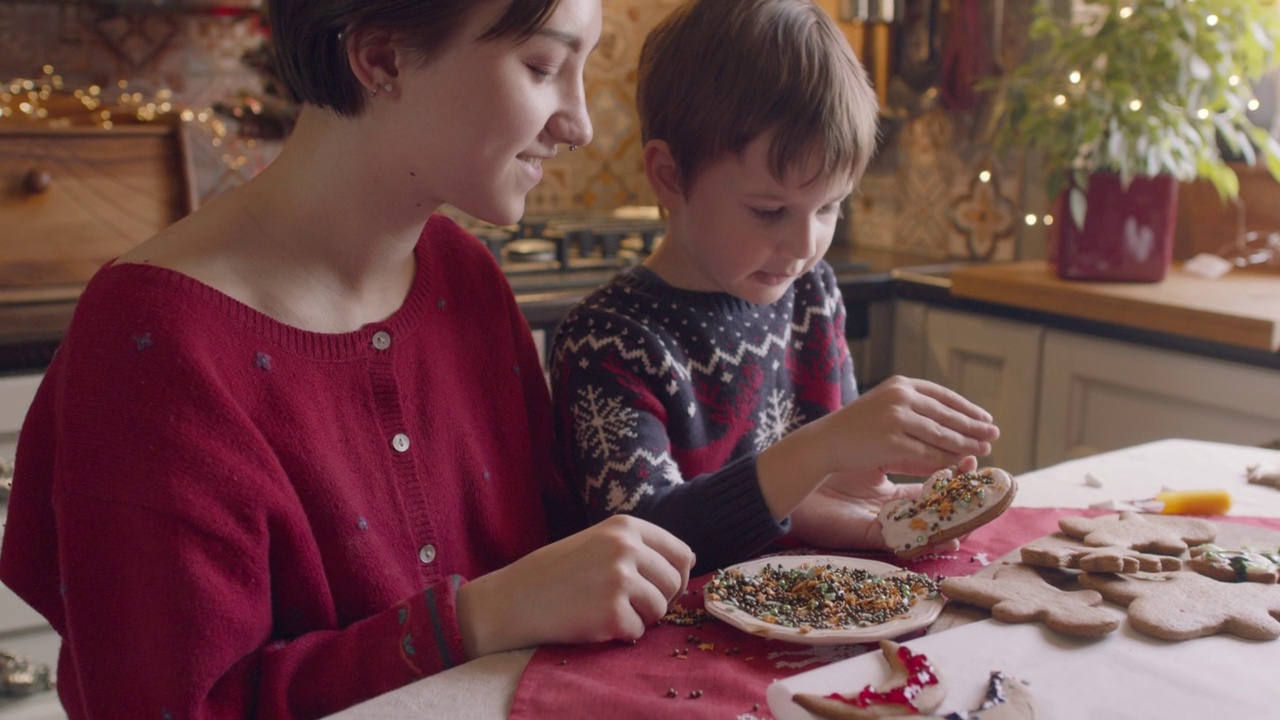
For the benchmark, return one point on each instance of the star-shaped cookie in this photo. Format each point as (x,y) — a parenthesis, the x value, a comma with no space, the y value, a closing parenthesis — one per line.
(1017,594)
(1185,605)
(1144,533)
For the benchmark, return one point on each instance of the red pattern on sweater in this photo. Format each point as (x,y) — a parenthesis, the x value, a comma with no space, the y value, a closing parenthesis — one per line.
(209,509)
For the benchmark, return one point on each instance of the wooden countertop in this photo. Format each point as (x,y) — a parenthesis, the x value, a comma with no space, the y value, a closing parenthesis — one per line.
(1241,308)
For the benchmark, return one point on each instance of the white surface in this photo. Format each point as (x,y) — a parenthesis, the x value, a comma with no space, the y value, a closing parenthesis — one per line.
(483,689)
(1142,471)
(1072,679)
(921,615)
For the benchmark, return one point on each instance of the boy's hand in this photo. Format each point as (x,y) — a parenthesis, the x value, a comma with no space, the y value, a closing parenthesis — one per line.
(907,426)
(843,513)
(608,582)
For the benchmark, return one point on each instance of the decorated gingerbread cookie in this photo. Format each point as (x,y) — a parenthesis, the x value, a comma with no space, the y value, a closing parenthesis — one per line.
(913,688)
(1236,565)
(1185,605)
(950,505)
(1144,533)
(1018,594)
(1062,551)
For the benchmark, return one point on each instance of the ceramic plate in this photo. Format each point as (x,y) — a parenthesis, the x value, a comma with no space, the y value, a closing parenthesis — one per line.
(924,612)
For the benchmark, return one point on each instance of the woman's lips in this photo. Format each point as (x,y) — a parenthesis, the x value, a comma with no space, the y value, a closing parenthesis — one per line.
(770,279)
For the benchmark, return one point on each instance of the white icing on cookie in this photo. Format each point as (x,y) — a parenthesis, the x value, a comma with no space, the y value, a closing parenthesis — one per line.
(950,505)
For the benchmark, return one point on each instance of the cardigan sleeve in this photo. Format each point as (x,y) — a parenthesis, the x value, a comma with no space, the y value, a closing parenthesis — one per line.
(612,433)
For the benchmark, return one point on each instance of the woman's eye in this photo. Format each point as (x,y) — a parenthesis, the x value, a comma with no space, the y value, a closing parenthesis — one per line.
(539,71)
(767,213)
(834,208)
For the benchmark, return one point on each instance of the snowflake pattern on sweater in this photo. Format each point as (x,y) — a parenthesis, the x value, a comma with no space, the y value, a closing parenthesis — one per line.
(665,396)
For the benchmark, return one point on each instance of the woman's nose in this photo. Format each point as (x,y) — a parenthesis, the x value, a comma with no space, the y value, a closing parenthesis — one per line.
(572,125)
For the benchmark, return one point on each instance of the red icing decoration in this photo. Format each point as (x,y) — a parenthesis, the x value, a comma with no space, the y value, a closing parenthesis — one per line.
(919,675)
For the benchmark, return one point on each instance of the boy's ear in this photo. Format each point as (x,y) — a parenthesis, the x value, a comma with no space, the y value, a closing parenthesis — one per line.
(663,174)
(371,53)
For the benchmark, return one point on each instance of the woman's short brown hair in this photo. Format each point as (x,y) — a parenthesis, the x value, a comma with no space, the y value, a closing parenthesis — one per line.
(308,38)
(716,74)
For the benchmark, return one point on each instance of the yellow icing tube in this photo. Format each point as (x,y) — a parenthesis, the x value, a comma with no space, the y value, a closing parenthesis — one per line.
(1189,502)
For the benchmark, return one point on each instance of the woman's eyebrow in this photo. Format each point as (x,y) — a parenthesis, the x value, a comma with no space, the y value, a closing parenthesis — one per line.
(573,41)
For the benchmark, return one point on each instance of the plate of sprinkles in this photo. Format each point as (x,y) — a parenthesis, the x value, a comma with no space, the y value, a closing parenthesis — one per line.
(822,599)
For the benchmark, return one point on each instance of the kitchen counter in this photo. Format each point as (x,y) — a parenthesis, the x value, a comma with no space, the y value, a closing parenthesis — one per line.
(30,333)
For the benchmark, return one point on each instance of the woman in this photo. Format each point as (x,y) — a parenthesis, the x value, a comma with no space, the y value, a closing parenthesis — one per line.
(275,443)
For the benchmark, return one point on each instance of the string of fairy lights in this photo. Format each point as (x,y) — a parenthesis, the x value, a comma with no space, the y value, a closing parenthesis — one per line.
(48,101)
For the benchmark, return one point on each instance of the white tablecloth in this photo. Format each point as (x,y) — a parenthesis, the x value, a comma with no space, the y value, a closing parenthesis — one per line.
(484,688)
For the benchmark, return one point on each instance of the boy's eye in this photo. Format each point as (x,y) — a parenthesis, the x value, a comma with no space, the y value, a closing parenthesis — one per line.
(767,213)
(836,208)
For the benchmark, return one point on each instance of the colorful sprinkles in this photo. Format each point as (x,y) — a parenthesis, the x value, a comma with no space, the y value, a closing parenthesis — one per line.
(820,597)
(944,497)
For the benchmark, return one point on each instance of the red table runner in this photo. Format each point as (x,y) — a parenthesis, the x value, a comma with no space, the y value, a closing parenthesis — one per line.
(717,671)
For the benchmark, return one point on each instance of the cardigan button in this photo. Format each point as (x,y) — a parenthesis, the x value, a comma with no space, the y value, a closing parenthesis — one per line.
(427,554)
(382,340)
(400,442)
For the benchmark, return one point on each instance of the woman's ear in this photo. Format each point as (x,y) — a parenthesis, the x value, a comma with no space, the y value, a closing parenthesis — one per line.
(371,53)
(663,174)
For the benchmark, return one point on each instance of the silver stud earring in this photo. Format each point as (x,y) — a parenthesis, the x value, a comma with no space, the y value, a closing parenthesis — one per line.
(572,148)
(374,91)
(388,87)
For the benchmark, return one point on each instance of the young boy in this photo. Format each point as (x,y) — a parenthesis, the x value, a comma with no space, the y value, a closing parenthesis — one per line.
(711,389)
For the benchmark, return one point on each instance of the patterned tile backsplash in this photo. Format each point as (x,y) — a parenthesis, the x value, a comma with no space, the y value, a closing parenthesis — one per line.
(931,191)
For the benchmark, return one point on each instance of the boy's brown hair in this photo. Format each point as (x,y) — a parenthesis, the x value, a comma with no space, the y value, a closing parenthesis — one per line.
(716,74)
(308,37)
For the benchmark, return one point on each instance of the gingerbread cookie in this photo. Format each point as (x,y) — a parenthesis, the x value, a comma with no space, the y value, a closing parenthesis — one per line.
(1185,605)
(1017,594)
(1061,551)
(1144,533)
(1007,698)
(950,505)
(1242,565)
(913,688)
(1264,475)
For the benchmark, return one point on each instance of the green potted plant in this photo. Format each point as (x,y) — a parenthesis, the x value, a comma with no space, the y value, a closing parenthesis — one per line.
(1126,100)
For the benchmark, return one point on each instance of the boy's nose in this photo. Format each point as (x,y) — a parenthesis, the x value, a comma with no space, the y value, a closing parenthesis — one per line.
(802,242)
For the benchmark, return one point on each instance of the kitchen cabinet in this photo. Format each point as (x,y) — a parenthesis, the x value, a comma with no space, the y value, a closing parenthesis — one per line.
(1058,394)
(1098,394)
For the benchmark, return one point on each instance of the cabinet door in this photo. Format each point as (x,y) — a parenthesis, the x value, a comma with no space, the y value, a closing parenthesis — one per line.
(996,364)
(1099,395)
(16,393)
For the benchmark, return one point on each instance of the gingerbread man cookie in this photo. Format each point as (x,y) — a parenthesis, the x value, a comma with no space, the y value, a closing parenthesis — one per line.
(913,688)
(1017,594)
(1144,533)
(1185,605)
(1061,551)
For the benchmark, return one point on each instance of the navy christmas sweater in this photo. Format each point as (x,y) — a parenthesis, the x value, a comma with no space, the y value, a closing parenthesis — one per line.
(665,396)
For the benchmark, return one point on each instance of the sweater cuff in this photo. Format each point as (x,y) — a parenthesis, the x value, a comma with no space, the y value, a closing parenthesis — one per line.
(430,639)
(738,522)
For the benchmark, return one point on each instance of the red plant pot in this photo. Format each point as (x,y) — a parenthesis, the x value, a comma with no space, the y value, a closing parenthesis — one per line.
(1127,234)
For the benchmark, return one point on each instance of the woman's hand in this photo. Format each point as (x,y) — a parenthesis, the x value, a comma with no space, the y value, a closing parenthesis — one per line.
(608,582)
